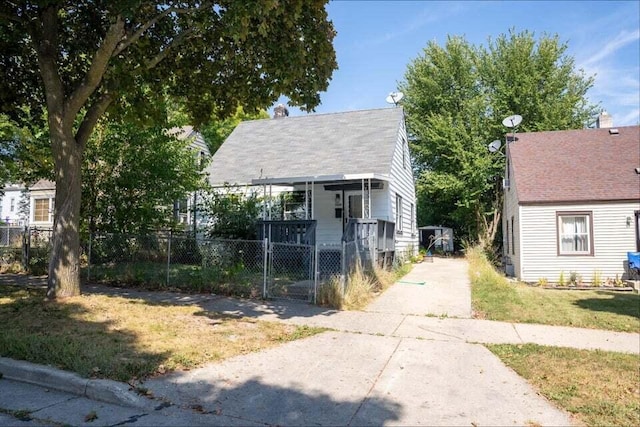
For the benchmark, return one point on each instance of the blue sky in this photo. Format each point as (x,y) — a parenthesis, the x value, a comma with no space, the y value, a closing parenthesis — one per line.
(377,40)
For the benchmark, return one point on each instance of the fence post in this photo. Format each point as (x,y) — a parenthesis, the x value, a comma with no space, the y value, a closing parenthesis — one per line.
(89,259)
(343,268)
(25,248)
(265,261)
(169,255)
(315,273)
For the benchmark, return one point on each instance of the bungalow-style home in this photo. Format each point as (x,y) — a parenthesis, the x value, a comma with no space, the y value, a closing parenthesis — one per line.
(349,173)
(572,204)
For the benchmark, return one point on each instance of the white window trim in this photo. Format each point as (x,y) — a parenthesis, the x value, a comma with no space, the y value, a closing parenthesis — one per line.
(49,210)
(399,216)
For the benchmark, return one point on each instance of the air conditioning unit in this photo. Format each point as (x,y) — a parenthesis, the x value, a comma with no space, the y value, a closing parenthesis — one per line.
(505,184)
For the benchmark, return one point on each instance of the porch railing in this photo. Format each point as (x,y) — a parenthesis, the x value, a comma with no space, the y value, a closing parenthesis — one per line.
(376,234)
(302,232)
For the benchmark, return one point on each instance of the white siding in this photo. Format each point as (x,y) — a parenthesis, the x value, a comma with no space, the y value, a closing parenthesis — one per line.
(611,240)
(7,214)
(402,183)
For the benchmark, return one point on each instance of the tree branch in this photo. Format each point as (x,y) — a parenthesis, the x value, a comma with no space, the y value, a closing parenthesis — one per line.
(153,62)
(45,40)
(129,40)
(93,77)
(91,118)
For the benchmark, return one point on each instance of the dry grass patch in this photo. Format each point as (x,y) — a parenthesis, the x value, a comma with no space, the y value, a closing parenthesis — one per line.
(124,339)
(493,297)
(599,388)
(362,287)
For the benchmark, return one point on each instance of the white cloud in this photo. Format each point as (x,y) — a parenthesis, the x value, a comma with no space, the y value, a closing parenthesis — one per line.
(621,40)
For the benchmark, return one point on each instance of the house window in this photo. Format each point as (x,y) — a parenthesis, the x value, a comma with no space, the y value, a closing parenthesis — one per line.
(398,213)
(575,231)
(12,205)
(41,210)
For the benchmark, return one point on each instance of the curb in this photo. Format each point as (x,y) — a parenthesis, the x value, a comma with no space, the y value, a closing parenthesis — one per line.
(96,389)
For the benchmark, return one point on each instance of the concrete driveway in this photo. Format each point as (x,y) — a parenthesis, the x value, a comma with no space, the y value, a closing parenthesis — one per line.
(370,375)
(437,288)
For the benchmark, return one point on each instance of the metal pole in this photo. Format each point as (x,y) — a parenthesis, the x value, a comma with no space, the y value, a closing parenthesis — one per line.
(265,259)
(312,198)
(315,273)
(169,255)
(343,267)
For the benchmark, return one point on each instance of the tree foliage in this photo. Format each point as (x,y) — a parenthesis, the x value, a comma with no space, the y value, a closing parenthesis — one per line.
(456,98)
(232,214)
(82,59)
(133,176)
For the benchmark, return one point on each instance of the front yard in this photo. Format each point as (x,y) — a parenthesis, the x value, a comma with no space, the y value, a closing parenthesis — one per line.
(599,388)
(126,339)
(493,297)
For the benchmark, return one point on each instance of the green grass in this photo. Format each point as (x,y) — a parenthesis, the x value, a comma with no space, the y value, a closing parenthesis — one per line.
(124,339)
(599,388)
(493,297)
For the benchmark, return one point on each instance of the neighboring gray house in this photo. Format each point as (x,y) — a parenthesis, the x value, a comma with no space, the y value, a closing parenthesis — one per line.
(348,173)
(572,203)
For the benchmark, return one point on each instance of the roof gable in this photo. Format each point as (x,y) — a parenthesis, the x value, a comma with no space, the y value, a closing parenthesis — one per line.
(356,142)
(576,165)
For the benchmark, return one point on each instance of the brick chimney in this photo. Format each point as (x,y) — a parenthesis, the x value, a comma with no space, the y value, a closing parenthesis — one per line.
(604,120)
(280,112)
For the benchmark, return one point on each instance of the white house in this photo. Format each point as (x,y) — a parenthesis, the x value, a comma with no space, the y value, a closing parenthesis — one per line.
(347,172)
(572,203)
(31,207)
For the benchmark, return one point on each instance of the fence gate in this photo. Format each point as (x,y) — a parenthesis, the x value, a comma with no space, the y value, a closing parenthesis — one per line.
(291,271)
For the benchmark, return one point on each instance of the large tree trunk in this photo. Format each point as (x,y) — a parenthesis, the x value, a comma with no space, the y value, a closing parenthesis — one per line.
(64,264)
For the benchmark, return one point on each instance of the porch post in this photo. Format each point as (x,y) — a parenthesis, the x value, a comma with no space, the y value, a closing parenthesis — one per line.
(369,195)
(264,202)
(306,200)
(313,195)
(362,198)
(270,200)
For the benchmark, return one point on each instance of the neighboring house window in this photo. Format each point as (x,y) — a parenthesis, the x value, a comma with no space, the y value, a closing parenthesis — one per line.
(575,233)
(41,210)
(12,204)
(398,213)
(513,241)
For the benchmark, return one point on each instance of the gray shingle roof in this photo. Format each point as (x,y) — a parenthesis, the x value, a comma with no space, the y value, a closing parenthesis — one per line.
(318,144)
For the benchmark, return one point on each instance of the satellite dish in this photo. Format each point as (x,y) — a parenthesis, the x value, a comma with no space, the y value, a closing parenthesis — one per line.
(512,121)
(394,97)
(495,145)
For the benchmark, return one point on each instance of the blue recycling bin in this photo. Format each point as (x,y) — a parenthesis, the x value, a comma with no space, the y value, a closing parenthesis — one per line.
(634,261)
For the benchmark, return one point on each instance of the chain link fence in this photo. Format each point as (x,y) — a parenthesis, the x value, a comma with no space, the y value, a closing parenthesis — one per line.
(180,261)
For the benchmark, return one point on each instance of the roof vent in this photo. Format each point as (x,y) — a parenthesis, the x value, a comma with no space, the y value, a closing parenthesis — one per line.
(613,131)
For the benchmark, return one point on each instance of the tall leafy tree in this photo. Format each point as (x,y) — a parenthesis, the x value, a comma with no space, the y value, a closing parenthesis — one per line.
(80,59)
(133,175)
(456,98)
(217,130)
